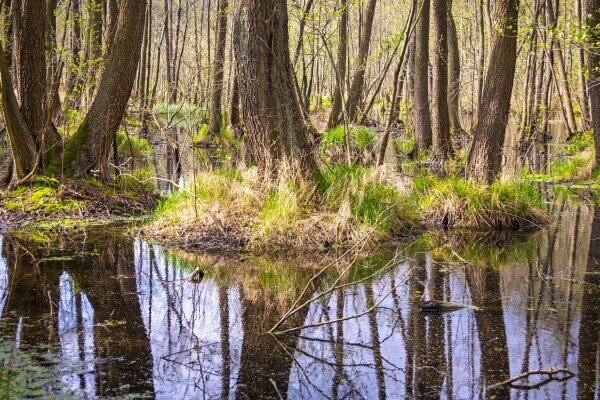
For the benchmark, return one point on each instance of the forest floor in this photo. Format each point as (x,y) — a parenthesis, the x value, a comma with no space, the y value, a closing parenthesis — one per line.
(67,204)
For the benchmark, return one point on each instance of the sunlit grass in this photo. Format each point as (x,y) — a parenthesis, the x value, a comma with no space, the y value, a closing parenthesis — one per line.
(347,205)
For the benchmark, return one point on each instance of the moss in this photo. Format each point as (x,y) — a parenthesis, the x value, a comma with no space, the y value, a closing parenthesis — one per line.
(41,196)
(73,148)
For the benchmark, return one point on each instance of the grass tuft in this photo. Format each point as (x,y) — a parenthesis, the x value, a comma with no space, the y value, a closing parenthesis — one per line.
(230,209)
(460,203)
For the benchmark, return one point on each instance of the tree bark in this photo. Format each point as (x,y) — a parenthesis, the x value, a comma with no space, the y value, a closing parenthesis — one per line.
(453,73)
(89,149)
(277,134)
(593,12)
(583,96)
(421,113)
(95,44)
(336,106)
(441,120)
(74,79)
(358,81)
(25,112)
(216,117)
(485,156)
(562,80)
(30,62)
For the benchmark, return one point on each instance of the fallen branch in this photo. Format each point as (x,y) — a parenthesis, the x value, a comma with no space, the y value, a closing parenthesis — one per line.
(551,373)
(355,316)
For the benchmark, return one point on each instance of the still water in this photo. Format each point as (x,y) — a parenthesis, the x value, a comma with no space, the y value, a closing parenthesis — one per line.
(104,315)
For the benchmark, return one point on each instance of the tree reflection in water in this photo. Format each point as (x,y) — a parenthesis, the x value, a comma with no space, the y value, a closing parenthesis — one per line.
(120,317)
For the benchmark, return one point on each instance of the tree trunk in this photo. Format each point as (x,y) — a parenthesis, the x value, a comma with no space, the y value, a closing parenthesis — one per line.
(89,149)
(112,15)
(453,73)
(593,11)
(561,78)
(441,122)
(74,79)
(336,106)
(583,97)
(25,112)
(277,134)
(358,81)
(422,116)
(485,156)
(30,62)
(216,118)
(95,44)
(234,103)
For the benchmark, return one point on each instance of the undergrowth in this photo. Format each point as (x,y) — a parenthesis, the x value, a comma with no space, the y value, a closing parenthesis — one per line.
(348,204)
(574,163)
(460,203)
(68,203)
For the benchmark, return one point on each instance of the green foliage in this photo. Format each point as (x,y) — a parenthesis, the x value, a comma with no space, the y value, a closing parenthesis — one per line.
(131,146)
(185,115)
(136,182)
(574,164)
(347,204)
(569,168)
(333,144)
(202,134)
(373,202)
(403,146)
(580,142)
(282,205)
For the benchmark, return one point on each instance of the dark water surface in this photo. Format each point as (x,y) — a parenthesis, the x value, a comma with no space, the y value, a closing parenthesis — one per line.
(107,316)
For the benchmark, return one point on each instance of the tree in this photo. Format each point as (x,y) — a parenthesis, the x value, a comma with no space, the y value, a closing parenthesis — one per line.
(593,9)
(358,80)
(25,111)
(453,73)
(561,79)
(485,156)
(441,122)
(216,118)
(341,68)
(74,78)
(277,134)
(89,149)
(421,115)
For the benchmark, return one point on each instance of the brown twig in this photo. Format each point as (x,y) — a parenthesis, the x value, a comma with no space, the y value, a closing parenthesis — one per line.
(551,373)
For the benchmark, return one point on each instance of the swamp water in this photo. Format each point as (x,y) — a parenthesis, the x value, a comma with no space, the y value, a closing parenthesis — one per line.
(109,316)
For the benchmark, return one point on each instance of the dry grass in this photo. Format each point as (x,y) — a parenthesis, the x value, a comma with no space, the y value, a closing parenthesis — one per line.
(231,209)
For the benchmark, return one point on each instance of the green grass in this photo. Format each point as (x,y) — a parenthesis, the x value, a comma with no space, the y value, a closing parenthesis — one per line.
(131,146)
(461,203)
(347,204)
(332,148)
(574,164)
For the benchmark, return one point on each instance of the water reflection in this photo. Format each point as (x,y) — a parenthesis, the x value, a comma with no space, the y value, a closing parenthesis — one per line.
(121,318)
(76,333)
(196,342)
